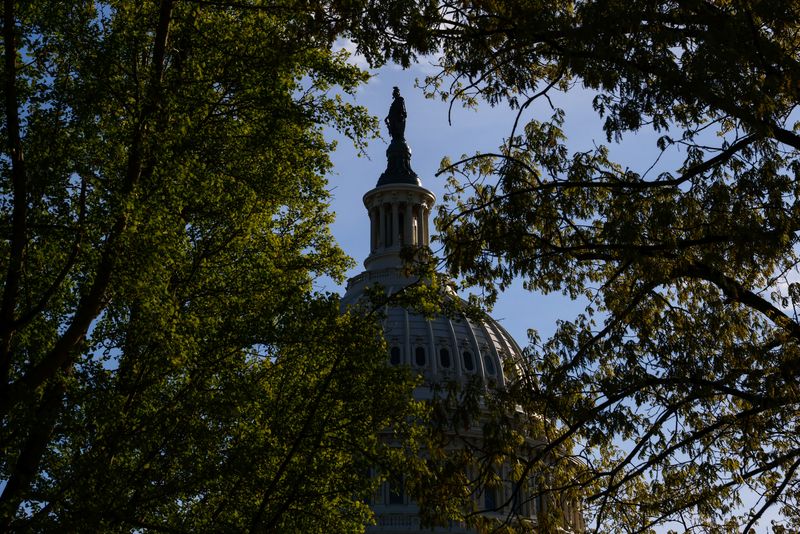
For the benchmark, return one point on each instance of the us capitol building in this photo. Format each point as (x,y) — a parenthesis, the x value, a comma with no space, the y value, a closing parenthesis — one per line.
(442,349)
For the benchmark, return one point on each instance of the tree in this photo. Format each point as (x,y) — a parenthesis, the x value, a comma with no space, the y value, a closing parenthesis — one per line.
(679,386)
(164,361)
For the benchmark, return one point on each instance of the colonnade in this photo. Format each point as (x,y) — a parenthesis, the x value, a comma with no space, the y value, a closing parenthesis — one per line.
(395,224)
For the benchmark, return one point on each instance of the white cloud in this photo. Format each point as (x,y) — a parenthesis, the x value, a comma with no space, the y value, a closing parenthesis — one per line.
(352,51)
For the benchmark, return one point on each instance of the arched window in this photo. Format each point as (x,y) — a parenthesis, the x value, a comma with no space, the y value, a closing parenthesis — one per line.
(374,217)
(369,499)
(388,227)
(517,500)
(490,498)
(394,356)
(488,363)
(396,492)
(444,358)
(469,364)
(419,356)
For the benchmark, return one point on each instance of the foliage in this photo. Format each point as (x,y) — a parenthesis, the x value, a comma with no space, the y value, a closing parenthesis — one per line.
(492,467)
(679,383)
(164,361)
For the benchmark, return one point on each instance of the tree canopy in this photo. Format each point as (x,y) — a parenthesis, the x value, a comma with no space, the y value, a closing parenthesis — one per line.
(165,363)
(678,387)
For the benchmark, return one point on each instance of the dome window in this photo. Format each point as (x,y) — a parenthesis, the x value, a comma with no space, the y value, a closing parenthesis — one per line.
(517,501)
(490,499)
(396,492)
(419,356)
(388,228)
(394,356)
(444,358)
(469,364)
(489,364)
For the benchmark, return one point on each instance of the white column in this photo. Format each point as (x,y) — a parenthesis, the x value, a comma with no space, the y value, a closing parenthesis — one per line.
(425,235)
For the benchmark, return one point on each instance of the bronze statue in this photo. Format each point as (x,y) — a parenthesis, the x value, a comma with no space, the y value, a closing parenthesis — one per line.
(398,155)
(396,120)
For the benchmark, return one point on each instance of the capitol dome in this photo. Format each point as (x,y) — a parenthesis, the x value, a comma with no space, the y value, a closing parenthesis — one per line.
(442,348)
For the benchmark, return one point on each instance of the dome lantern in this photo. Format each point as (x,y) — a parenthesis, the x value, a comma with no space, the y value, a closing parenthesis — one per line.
(440,348)
(399,207)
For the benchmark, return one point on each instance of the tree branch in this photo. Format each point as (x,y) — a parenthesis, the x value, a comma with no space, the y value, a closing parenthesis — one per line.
(736,292)
(772,498)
